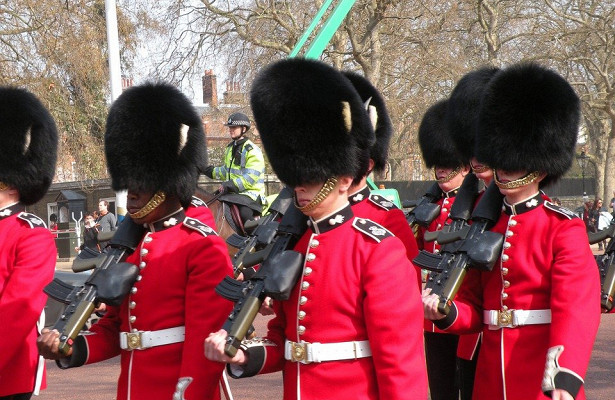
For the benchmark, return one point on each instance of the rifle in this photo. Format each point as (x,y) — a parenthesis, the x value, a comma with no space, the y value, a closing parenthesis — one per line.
(606,266)
(275,278)
(477,247)
(461,211)
(256,247)
(110,281)
(425,210)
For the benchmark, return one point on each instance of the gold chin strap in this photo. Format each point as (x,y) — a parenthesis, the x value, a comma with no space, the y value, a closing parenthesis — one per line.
(478,170)
(525,180)
(448,177)
(157,199)
(3,186)
(320,196)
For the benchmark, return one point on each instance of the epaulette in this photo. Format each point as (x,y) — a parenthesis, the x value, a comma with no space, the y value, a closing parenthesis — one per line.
(32,220)
(371,229)
(249,147)
(197,202)
(199,226)
(560,210)
(382,202)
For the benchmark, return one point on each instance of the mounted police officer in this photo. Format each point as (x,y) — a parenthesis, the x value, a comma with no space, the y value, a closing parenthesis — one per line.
(27,249)
(243,171)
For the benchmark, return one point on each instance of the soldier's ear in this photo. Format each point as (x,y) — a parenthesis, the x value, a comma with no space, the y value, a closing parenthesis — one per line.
(344,183)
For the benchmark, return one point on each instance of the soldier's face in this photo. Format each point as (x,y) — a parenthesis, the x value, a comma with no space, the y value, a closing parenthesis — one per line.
(482,171)
(137,200)
(515,195)
(454,182)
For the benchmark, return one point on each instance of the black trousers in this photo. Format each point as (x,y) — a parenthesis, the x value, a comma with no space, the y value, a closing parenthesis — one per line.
(467,372)
(20,396)
(441,354)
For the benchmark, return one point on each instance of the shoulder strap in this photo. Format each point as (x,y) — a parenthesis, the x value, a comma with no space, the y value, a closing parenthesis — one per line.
(371,229)
(199,226)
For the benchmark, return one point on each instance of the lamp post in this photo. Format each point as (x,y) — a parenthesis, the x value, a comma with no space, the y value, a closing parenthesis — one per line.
(582,160)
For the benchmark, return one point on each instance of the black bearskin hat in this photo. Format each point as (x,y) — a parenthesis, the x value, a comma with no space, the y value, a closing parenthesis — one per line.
(155,141)
(312,122)
(529,121)
(435,139)
(463,108)
(379,116)
(29,144)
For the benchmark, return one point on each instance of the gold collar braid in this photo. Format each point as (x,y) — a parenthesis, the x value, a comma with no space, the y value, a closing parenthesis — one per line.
(157,199)
(320,196)
(448,177)
(525,180)
(3,186)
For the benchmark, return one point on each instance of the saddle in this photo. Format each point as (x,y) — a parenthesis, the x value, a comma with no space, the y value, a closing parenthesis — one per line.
(231,213)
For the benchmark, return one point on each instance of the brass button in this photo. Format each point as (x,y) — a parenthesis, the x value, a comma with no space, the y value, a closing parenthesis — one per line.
(310,257)
(132,319)
(504,271)
(305,285)
(148,239)
(509,233)
(307,271)
(132,304)
(314,243)
(142,264)
(144,252)
(512,222)
(505,257)
(301,315)
(301,329)
(139,278)
(133,290)
(303,300)
(504,295)
(506,284)
(507,245)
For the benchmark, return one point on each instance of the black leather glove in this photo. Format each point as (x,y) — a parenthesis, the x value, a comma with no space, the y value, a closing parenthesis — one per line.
(209,171)
(228,187)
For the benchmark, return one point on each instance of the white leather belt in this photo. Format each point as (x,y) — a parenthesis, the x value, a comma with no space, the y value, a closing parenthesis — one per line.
(497,319)
(306,353)
(141,340)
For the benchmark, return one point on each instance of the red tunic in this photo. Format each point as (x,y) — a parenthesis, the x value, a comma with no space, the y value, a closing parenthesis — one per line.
(383,212)
(180,267)
(357,284)
(27,261)
(545,265)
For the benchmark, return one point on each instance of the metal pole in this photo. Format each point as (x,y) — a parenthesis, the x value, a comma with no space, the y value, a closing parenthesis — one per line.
(115,82)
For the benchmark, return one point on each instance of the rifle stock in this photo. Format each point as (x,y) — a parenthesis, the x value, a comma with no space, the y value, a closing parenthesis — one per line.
(479,249)
(425,210)
(109,282)
(276,277)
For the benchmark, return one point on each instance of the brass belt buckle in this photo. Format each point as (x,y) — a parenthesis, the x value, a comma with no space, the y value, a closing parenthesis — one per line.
(133,340)
(298,352)
(504,318)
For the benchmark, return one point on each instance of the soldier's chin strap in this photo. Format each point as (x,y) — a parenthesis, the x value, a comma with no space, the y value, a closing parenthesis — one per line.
(524,180)
(3,186)
(448,177)
(479,169)
(157,199)
(320,196)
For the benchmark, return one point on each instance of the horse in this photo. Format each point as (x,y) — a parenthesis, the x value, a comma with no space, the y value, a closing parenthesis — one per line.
(221,211)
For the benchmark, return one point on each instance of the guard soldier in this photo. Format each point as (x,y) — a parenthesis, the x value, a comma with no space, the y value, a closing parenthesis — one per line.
(373,206)
(527,131)
(462,115)
(27,249)
(450,169)
(344,333)
(154,142)
(243,171)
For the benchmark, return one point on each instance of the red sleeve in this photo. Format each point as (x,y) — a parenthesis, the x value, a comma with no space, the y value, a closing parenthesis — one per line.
(104,342)
(394,322)
(397,224)
(206,312)
(22,299)
(575,297)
